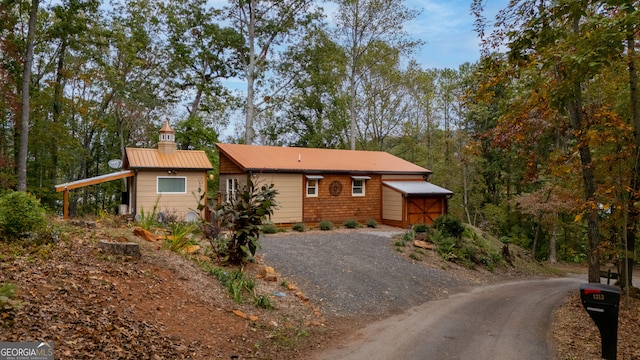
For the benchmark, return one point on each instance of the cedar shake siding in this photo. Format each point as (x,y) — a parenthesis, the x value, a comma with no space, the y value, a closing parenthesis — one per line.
(344,206)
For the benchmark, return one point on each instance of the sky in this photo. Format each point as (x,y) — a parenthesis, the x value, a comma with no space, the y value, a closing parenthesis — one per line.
(447,28)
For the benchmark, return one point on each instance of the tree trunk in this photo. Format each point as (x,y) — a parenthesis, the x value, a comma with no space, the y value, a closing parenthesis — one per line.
(588,180)
(251,71)
(553,256)
(26,109)
(634,214)
(536,236)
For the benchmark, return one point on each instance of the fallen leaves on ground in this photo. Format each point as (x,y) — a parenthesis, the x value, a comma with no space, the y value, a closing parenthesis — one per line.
(162,306)
(577,337)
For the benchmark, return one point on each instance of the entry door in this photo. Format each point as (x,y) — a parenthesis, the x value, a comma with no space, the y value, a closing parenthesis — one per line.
(424,210)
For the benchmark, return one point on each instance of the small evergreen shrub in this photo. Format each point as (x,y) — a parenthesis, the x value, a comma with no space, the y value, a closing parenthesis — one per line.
(299,227)
(420,228)
(351,224)
(20,214)
(269,229)
(449,226)
(325,225)
(372,223)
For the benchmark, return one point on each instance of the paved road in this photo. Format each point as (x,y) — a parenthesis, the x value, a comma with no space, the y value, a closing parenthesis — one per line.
(505,321)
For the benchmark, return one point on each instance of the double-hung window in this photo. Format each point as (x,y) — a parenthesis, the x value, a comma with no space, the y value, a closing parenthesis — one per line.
(172,185)
(358,185)
(312,185)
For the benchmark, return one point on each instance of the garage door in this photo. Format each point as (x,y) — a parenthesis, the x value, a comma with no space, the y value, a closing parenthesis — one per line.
(424,210)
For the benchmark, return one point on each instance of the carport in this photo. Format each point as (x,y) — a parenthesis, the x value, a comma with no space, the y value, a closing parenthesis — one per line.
(86,182)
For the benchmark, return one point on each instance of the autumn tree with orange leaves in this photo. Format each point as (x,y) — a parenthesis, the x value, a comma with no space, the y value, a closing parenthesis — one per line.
(565,129)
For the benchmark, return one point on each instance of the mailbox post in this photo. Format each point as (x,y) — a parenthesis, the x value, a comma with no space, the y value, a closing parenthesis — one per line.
(601,302)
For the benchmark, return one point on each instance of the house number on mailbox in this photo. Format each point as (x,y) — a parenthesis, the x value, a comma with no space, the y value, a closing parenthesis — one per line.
(335,188)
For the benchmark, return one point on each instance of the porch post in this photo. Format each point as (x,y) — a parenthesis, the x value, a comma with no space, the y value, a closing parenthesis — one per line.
(65,204)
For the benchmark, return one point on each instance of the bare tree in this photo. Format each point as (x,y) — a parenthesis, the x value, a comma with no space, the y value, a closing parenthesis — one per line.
(26,81)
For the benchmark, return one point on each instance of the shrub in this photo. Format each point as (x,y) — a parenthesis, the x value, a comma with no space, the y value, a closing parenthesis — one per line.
(449,226)
(420,228)
(269,229)
(299,227)
(351,224)
(409,236)
(372,223)
(20,214)
(325,225)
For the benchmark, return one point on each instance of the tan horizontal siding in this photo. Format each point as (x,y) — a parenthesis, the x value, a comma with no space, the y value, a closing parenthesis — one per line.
(289,198)
(392,204)
(178,204)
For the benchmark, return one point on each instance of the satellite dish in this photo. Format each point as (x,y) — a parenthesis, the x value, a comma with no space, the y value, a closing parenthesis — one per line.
(115,163)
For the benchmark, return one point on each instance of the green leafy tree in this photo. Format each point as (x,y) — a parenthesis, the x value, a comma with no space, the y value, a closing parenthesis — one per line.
(266,26)
(313,113)
(361,25)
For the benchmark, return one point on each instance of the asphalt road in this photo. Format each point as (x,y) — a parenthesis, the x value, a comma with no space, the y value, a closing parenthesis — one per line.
(506,321)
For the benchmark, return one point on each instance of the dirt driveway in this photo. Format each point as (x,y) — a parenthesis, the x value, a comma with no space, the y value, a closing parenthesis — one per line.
(355,272)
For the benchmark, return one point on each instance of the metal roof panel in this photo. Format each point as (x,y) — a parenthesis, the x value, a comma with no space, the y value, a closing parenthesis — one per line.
(294,159)
(138,158)
(417,188)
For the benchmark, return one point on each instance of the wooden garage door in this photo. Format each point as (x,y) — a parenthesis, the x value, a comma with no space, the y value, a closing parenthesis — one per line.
(424,210)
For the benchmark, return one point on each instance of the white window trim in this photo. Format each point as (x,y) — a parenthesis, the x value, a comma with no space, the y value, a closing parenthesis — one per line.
(315,178)
(170,177)
(315,187)
(353,187)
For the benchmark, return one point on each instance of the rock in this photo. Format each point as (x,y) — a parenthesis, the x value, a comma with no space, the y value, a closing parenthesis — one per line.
(302,296)
(253,318)
(145,234)
(119,248)
(190,249)
(240,314)
(423,245)
(267,273)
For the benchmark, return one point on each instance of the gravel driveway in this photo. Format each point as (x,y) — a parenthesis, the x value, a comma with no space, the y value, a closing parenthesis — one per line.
(355,272)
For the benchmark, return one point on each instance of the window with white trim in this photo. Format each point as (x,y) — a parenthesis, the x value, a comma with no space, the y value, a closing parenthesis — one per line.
(312,188)
(172,185)
(357,185)
(232,189)
(312,185)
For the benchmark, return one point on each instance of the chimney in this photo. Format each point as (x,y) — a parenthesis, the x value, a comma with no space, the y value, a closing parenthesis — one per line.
(167,140)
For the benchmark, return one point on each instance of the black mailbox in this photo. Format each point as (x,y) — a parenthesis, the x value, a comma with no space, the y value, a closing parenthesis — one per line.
(601,302)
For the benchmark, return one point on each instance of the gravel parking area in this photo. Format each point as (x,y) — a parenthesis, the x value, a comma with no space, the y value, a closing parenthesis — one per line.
(355,272)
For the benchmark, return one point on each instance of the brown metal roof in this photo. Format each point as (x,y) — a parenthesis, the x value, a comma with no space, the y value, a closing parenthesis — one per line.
(138,158)
(307,160)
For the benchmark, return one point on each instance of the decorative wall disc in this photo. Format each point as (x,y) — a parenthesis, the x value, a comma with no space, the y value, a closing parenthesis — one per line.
(335,188)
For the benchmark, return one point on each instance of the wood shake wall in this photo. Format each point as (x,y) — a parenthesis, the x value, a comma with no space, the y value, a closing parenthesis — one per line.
(343,206)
